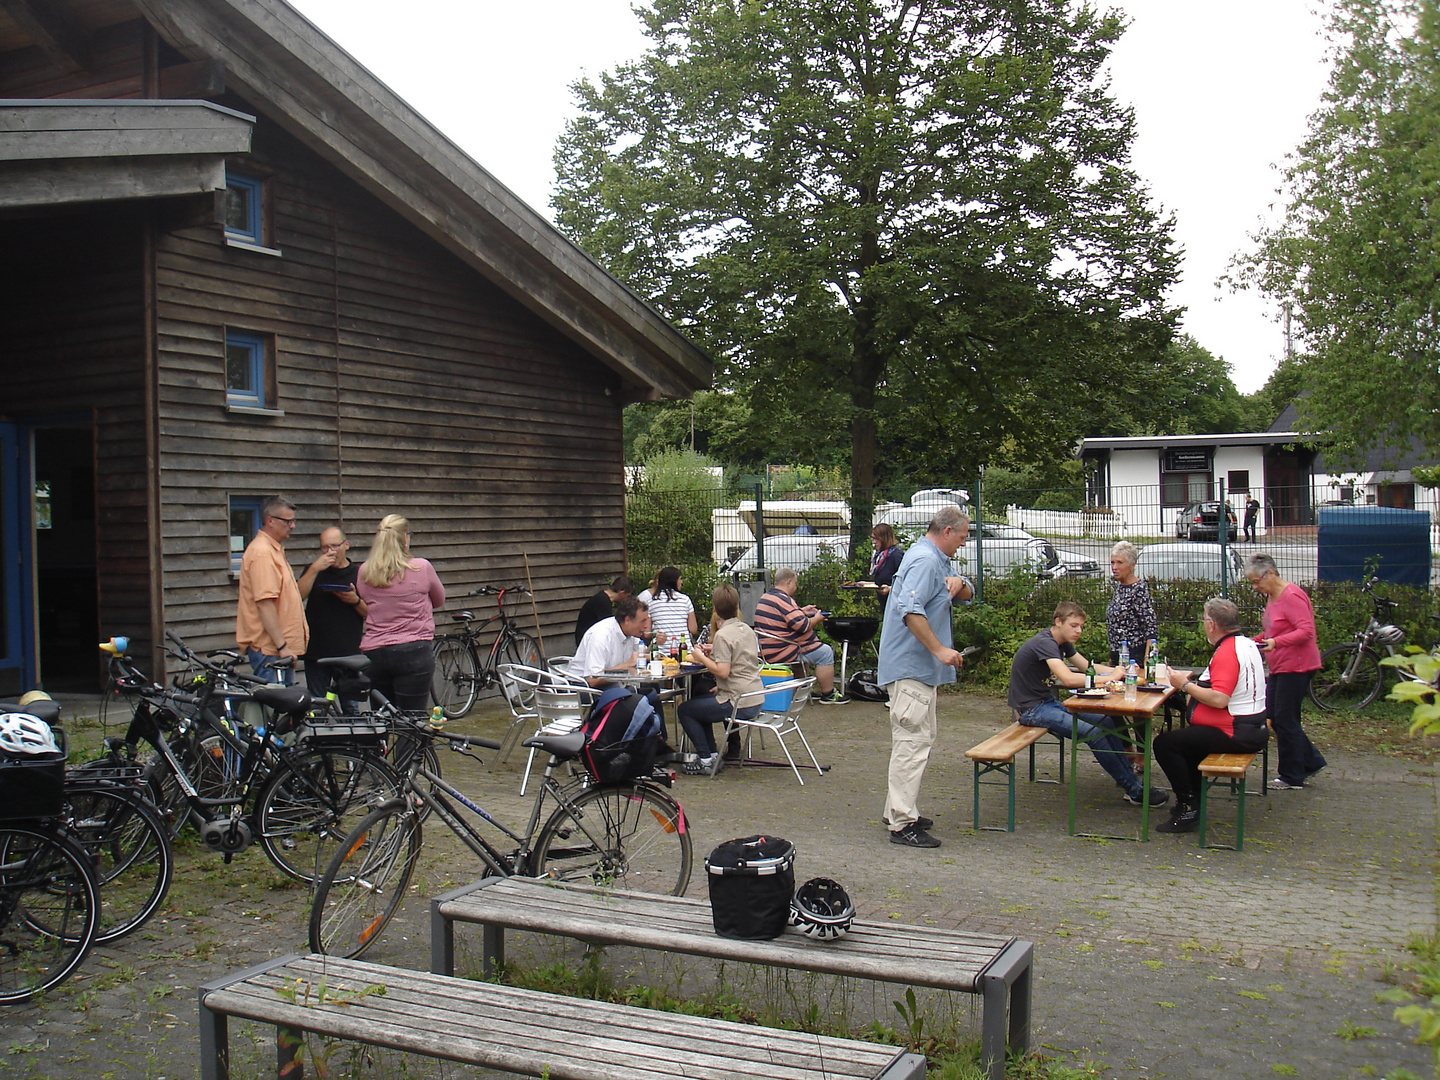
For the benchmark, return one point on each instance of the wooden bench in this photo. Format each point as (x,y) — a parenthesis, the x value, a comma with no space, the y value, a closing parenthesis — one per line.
(516,1031)
(1230,770)
(997,754)
(996,968)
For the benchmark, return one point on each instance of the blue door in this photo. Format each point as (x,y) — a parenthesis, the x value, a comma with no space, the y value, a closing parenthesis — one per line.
(17,628)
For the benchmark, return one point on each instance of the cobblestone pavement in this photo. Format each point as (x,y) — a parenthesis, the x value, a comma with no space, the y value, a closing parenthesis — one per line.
(1151,960)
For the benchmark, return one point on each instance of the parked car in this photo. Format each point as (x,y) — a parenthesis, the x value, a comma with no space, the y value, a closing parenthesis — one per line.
(1201,520)
(788,549)
(1198,561)
(1071,563)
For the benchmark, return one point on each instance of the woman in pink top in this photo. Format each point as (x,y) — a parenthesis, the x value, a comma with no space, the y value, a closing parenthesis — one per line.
(1293,656)
(401,595)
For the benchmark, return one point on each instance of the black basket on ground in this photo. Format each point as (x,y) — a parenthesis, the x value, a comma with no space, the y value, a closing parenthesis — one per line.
(31,786)
(751,882)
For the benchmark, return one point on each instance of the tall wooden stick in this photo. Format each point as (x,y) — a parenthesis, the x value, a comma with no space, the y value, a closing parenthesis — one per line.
(535,610)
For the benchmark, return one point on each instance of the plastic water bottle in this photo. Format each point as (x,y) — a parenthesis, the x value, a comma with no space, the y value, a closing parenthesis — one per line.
(1124,654)
(1132,680)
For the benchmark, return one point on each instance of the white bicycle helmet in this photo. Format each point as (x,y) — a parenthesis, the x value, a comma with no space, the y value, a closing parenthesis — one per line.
(822,910)
(21,733)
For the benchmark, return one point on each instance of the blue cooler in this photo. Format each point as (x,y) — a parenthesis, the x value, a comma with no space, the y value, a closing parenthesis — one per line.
(777,673)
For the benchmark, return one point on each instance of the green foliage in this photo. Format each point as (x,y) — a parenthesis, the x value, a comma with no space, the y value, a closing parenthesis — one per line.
(1357,253)
(667,510)
(882,218)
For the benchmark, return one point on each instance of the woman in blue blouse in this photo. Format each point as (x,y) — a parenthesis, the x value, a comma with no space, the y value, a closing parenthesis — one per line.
(886,559)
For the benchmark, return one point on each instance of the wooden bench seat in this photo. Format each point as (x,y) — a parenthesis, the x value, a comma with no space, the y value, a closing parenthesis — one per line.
(997,754)
(995,968)
(518,1031)
(1228,770)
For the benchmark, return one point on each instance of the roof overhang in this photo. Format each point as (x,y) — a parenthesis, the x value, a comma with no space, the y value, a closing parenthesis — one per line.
(300,79)
(62,151)
(1168,442)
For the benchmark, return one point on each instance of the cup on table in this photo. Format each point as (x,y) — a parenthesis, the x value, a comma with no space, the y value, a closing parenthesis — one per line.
(657,668)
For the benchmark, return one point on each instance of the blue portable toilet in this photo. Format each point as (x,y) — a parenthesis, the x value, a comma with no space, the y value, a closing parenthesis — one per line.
(1353,536)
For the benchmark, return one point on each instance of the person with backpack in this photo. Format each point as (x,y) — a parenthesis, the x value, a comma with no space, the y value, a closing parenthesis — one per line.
(733,658)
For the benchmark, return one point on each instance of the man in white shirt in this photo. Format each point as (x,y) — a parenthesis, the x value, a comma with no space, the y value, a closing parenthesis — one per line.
(611,643)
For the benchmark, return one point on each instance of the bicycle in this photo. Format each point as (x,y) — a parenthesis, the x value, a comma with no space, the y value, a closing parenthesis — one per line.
(1350,675)
(630,834)
(49,907)
(461,672)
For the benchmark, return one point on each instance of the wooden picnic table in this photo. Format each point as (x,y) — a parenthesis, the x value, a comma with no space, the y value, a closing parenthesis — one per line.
(1140,712)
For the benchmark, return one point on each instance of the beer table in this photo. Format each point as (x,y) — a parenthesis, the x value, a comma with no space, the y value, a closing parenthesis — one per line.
(1140,713)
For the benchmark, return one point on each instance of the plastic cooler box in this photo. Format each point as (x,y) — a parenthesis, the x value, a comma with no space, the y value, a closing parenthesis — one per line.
(780,700)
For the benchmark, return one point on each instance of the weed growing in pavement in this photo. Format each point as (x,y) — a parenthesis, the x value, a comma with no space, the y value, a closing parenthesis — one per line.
(1350,1031)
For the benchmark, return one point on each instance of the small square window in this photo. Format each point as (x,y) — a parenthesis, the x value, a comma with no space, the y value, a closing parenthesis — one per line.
(244,524)
(1238,482)
(244,207)
(249,371)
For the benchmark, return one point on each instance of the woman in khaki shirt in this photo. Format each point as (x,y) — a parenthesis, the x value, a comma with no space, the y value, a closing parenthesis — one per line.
(733,657)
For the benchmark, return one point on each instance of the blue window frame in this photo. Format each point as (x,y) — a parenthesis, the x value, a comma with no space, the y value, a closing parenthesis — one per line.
(244,207)
(247,370)
(244,524)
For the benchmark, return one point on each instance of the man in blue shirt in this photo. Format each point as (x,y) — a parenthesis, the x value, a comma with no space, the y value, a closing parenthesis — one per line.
(916,658)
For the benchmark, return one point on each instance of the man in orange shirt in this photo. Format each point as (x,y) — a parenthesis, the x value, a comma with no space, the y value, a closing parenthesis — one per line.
(270,618)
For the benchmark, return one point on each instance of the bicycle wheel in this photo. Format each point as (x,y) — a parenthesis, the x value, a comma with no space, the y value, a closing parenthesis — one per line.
(522,649)
(627,836)
(49,909)
(314,799)
(130,846)
(1349,678)
(453,686)
(365,882)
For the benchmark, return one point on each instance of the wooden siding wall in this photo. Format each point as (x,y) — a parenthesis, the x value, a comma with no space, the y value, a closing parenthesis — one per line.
(408,385)
(70,332)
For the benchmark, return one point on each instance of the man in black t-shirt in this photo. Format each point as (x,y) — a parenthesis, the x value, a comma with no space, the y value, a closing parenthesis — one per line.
(333,609)
(602,605)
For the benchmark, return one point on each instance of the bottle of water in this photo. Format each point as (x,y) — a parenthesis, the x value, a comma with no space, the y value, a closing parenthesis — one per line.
(1132,680)
(1152,659)
(1124,655)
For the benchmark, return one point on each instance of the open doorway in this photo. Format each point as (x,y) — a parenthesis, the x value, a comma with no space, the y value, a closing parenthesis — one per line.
(65,579)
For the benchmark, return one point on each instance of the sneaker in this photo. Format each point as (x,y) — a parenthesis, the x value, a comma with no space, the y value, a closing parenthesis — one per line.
(1280,785)
(1182,819)
(701,766)
(834,697)
(732,749)
(1158,797)
(1311,772)
(913,836)
(922,822)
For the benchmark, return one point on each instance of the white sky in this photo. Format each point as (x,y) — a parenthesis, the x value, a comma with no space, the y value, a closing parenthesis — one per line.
(1221,92)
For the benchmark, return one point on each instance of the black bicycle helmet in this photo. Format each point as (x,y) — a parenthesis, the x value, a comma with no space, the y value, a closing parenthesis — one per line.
(822,910)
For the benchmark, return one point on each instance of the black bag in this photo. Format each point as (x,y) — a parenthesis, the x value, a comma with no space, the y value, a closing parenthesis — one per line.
(31,786)
(622,737)
(864,686)
(751,882)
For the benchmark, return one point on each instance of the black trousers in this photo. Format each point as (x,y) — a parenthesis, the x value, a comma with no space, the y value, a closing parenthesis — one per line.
(1180,752)
(403,672)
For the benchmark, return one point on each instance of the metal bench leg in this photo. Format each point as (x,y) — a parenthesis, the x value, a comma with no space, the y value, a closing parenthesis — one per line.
(1006,980)
(1240,815)
(1205,783)
(977,795)
(214,1044)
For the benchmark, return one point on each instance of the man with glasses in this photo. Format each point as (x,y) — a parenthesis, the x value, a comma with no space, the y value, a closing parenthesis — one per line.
(270,618)
(333,609)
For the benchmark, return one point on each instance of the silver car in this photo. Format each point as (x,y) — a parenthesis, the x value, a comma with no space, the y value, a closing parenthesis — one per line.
(1196,560)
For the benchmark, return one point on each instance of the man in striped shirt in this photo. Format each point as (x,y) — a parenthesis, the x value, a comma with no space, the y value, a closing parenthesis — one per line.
(787,633)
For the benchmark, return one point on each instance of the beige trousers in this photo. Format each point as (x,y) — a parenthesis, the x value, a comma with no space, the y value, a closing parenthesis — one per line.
(913,728)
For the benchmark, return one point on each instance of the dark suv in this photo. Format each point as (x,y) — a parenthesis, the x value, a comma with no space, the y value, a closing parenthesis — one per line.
(1201,521)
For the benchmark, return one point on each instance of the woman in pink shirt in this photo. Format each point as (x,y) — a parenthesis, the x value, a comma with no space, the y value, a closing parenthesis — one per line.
(401,595)
(1293,656)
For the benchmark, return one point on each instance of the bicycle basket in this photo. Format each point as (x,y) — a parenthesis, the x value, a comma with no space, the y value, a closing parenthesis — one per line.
(31,786)
(1390,635)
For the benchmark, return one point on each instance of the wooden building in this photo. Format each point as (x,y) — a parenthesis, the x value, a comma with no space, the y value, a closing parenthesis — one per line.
(235,264)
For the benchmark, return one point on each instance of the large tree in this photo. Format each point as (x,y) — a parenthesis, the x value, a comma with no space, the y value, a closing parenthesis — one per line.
(913,220)
(1357,255)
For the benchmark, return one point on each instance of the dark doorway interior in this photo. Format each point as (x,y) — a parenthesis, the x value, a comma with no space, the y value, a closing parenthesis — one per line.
(65,559)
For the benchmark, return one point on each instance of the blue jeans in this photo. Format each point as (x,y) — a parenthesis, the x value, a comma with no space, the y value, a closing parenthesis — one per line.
(260,664)
(699,715)
(1095,729)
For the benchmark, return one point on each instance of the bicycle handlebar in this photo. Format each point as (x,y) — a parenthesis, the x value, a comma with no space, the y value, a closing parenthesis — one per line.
(491,590)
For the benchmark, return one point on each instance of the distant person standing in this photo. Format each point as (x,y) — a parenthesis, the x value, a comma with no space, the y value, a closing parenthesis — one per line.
(270,615)
(672,613)
(333,608)
(917,657)
(1252,512)
(602,605)
(401,594)
(886,561)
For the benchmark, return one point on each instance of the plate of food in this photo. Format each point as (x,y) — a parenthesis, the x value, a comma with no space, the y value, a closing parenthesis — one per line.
(1096,693)
(858,585)
(1153,688)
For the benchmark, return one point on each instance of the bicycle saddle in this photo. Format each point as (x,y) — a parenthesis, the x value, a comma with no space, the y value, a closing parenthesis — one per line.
(284,698)
(48,711)
(564,746)
(353,664)
(462,616)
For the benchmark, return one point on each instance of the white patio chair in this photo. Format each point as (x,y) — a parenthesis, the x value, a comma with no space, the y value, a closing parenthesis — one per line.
(561,707)
(778,722)
(558,665)
(519,683)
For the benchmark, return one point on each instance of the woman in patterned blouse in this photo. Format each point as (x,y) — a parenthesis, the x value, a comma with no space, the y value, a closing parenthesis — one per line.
(1130,616)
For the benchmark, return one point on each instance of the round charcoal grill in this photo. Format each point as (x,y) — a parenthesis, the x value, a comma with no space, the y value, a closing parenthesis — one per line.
(850,630)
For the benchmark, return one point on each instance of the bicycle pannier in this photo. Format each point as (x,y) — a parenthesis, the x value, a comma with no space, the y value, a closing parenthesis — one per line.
(622,737)
(751,882)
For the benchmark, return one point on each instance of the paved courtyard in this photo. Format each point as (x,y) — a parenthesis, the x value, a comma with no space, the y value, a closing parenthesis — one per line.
(1151,960)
